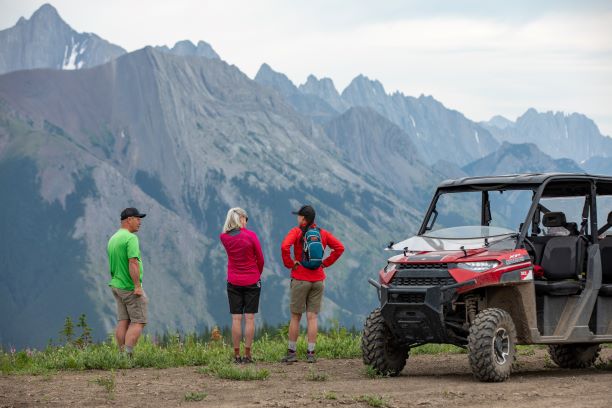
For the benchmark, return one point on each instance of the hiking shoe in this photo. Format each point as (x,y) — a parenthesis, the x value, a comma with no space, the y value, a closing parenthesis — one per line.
(247,360)
(291,357)
(310,357)
(238,360)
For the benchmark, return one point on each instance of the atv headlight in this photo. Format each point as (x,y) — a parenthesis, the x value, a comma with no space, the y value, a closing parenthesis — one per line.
(390,267)
(478,266)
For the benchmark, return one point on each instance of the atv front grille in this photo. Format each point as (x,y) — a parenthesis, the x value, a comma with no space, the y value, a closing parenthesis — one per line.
(421,266)
(425,281)
(422,275)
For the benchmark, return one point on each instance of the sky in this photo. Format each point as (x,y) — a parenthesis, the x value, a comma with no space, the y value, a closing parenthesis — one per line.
(480,57)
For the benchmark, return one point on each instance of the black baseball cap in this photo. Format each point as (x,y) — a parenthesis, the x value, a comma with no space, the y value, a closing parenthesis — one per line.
(131,212)
(307,212)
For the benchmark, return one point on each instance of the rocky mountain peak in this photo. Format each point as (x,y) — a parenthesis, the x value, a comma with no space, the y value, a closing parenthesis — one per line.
(325,89)
(315,85)
(362,87)
(499,122)
(275,80)
(47,41)
(45,19)
(187,48)
(46,12)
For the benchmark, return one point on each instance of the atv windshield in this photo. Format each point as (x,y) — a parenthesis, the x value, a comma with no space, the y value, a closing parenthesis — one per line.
(459,238)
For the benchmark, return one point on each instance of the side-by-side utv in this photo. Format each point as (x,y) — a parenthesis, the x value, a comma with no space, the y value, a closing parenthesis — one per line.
(500,261)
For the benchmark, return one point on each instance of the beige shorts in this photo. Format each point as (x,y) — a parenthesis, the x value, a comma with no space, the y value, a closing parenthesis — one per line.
(306,296)
(130,306)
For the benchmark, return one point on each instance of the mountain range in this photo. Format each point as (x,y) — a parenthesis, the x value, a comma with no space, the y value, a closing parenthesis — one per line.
(183,136)
(560,135)
(183,140)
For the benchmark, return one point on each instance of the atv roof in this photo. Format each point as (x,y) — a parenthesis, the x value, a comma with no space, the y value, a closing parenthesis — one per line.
(520,181)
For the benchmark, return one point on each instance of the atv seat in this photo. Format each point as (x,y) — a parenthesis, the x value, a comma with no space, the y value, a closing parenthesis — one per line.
(561,260)
(605,248)
(556,225)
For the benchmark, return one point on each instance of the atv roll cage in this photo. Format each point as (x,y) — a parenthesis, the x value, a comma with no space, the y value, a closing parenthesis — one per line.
(542,185)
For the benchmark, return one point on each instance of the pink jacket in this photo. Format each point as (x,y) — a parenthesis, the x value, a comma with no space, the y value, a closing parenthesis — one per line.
(245,260)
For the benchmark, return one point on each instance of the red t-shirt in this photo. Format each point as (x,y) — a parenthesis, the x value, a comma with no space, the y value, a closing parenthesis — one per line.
(245,260)
(293,238)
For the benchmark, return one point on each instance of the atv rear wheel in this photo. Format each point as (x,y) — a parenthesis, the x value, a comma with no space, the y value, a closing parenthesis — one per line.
(492,345)
(379,347)
(574,355)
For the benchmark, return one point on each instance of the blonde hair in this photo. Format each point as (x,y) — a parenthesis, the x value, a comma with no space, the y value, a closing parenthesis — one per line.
(232,220)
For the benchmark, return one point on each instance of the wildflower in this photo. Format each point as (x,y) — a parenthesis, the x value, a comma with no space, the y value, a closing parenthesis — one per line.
(216,334)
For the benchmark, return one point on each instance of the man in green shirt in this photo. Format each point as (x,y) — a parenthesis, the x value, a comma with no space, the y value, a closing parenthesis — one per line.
(126,280)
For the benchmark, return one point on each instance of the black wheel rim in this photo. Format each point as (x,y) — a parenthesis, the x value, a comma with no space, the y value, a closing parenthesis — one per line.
(501,346)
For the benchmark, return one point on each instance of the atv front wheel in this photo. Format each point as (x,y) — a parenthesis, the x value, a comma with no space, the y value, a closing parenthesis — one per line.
(379,347)
(492,345)
(574,355)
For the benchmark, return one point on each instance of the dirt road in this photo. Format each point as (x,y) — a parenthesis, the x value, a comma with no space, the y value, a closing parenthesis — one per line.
(428,381)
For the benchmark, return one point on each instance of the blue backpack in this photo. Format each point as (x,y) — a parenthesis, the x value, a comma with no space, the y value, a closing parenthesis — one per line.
(312,256)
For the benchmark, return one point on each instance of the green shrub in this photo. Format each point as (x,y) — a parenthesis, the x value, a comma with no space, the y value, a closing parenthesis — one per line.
(314,375)
(195,396)
(108,383)
(228,371)
(373,400)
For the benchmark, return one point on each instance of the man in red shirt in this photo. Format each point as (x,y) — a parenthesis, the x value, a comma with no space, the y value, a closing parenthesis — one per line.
(306,284)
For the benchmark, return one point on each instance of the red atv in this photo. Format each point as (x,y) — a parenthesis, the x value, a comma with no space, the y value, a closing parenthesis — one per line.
(471,279)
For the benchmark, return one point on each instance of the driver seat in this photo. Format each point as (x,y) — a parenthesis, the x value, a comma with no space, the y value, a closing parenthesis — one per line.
(605,247)
(561,260)
(556,225)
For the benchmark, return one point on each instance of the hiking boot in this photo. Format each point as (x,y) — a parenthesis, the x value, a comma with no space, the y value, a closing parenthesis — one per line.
(238,360)
(291,357)
(247,360)
(310,357)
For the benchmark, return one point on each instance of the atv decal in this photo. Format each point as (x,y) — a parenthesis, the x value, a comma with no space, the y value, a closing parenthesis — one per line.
(527,274)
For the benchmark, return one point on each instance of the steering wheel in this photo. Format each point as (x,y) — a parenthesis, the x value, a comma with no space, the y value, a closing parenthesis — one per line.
(533,248)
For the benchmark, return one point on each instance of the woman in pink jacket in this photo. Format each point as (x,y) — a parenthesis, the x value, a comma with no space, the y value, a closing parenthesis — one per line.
(245,264)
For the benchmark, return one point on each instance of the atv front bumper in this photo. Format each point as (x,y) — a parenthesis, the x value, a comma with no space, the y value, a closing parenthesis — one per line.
(415,315)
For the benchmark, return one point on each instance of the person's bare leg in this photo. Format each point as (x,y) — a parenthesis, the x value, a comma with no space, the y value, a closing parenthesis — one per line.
(249,329)
(294,332)
(132,335)
(294,326)
(236,332)
(249,333)
(120,330)
(312,330)
(313,327)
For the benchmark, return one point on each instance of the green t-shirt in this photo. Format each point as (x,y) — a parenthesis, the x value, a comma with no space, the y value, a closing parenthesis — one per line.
(121,247)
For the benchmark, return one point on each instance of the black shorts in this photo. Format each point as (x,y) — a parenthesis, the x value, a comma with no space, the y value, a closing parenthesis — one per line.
(243,299)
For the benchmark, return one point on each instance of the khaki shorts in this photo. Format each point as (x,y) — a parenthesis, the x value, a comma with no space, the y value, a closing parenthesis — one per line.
(306,296)
(131,307)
